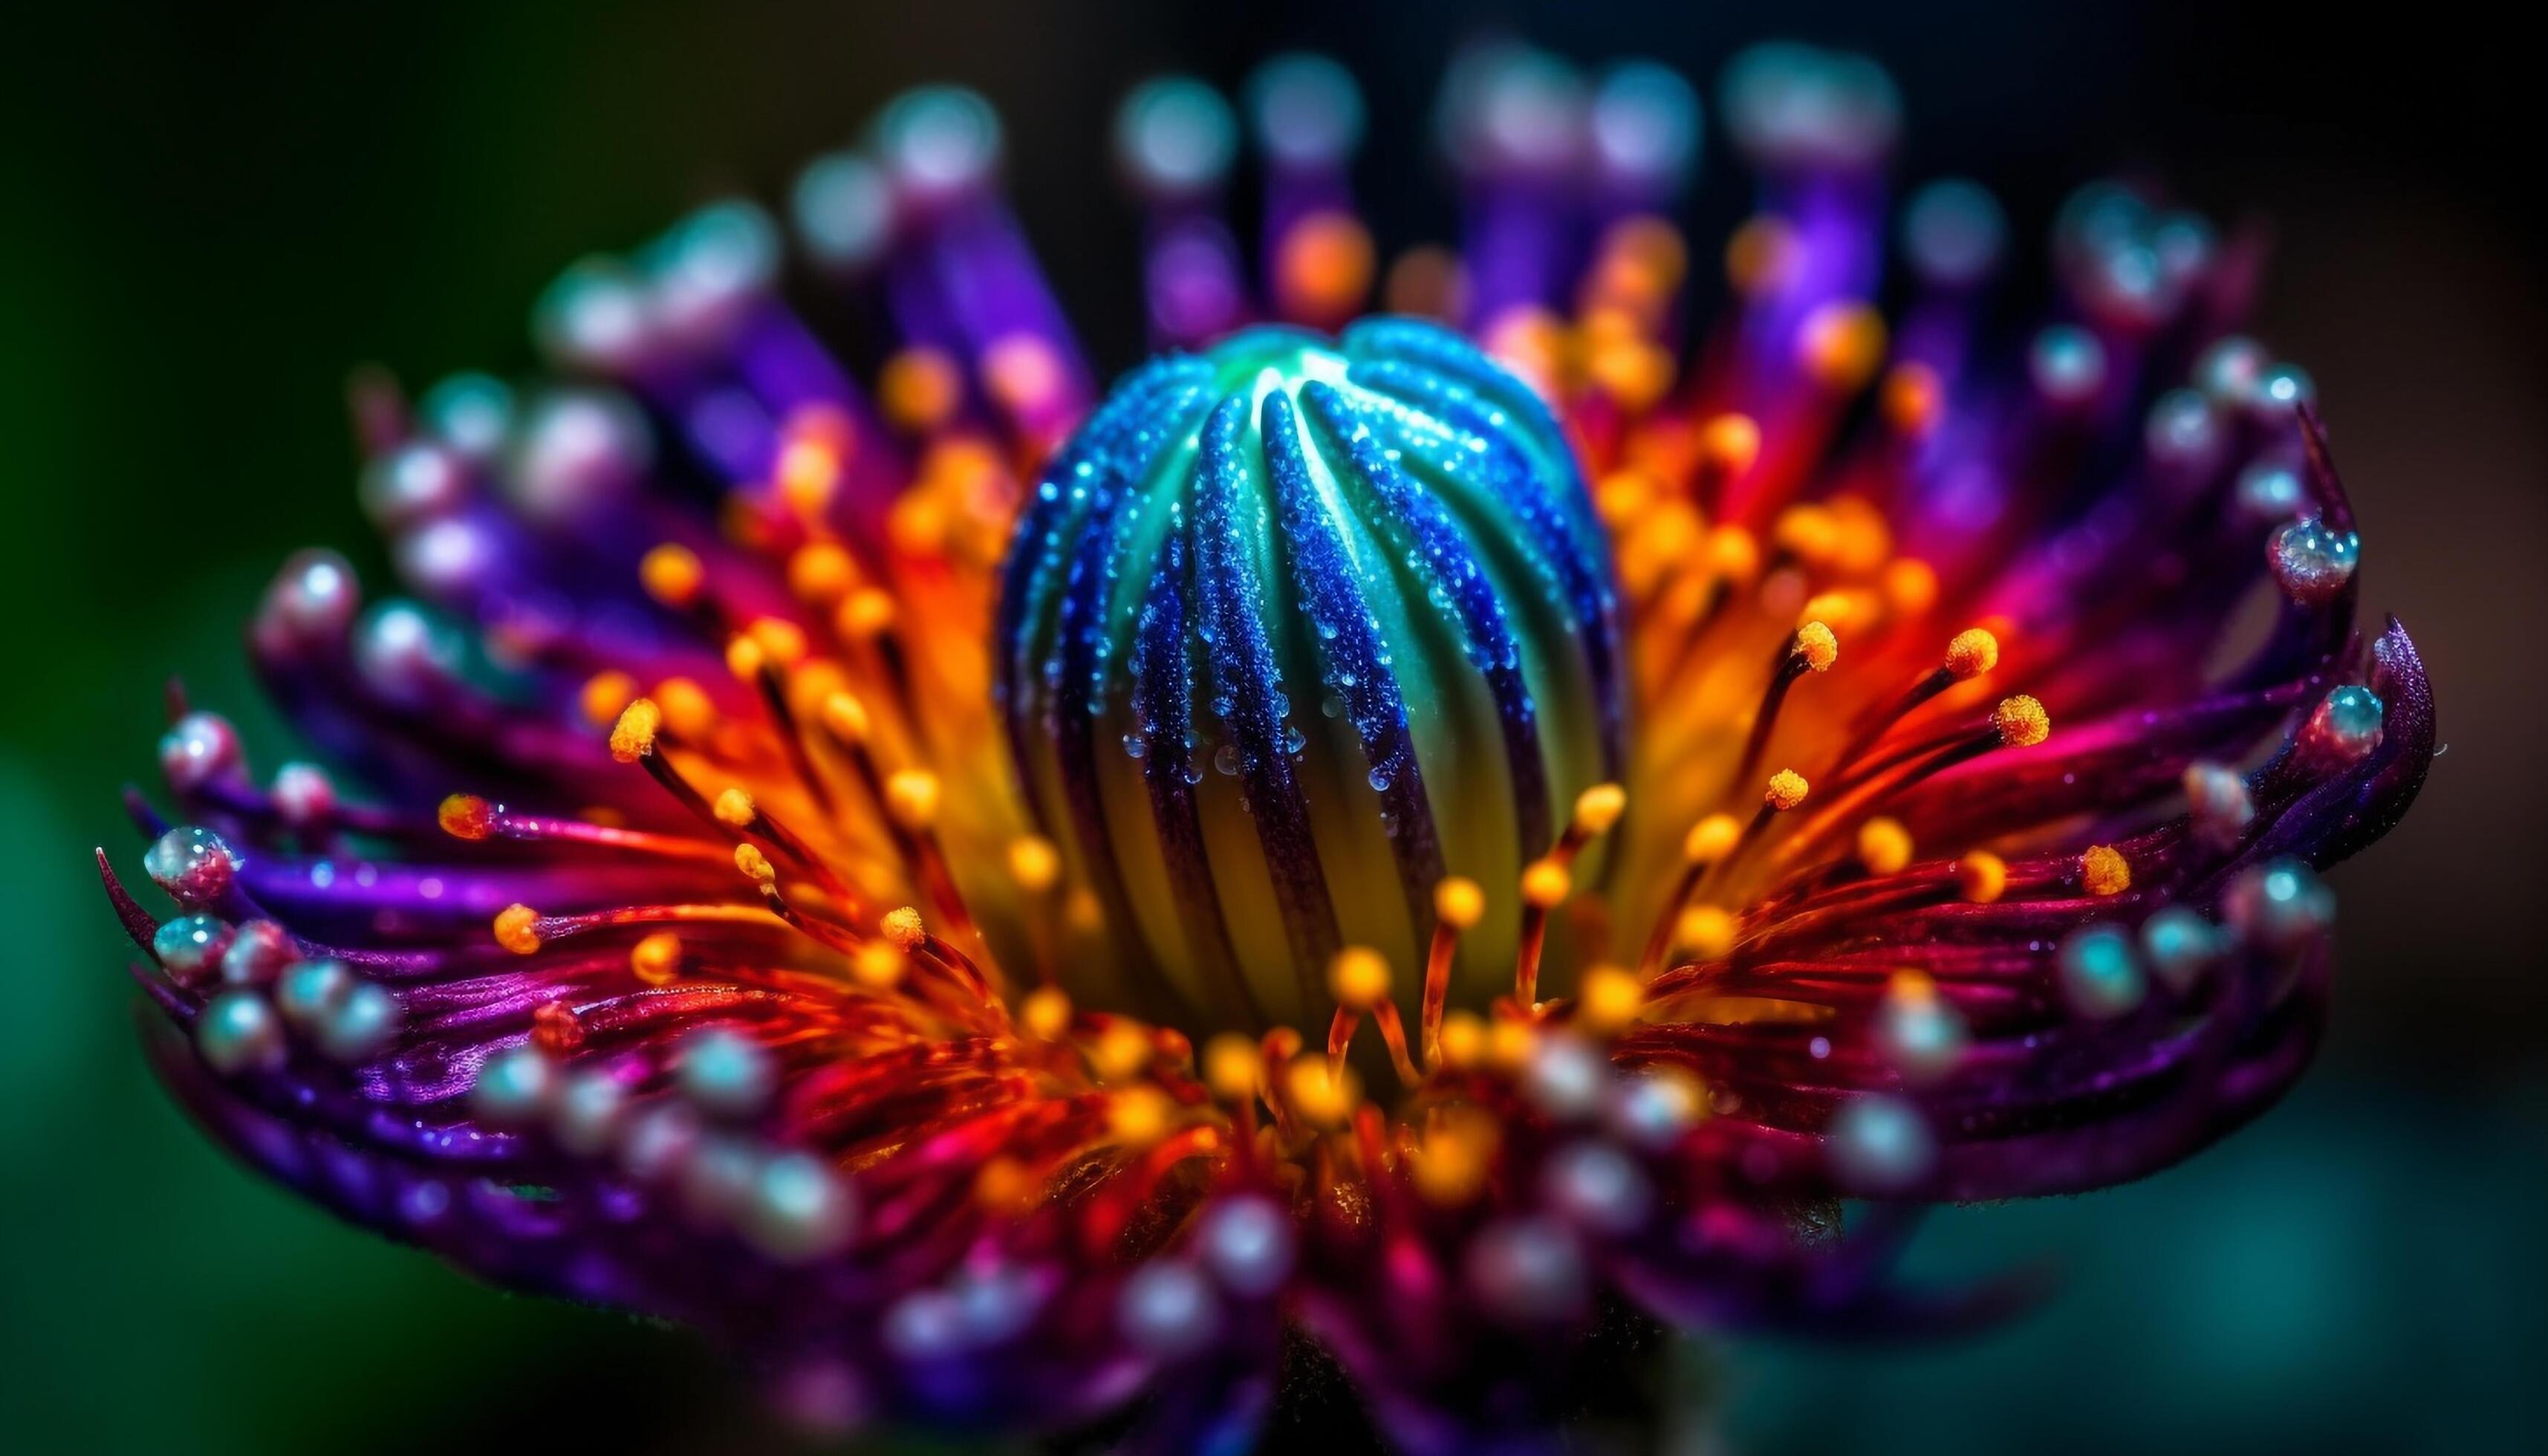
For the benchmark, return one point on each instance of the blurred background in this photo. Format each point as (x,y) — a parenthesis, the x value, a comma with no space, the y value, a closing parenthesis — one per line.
(211,216)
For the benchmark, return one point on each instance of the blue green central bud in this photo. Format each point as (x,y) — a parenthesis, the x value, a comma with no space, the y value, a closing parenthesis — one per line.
(1291,629)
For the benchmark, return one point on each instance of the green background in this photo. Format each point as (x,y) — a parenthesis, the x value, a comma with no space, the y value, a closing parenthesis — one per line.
(209,217)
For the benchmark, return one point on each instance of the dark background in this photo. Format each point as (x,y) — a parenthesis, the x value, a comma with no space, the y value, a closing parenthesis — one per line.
(207,216)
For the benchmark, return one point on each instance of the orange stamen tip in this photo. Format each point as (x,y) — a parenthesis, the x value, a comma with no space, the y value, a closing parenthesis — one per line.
(518,929)
(1910,586)
(1910,397)
(735,808)
(2104,870)
(879,965)
(467,816)
(1138,1116)
(1981,876)
(1884,846)
(820,571)
(1324,1096)
(1598,807)
(1463,1038)
(846,717)
(1231,1066)
(1711,839)
(656,958)
(1730,443)
(1608,999)
(633,736)
(744,658)
(1459,901)
(911,796)
(1545,885)
(919,388)
(606,694)
(780,640)
(1323,264)
(1840,343)
(1817,646)
(755,864)
(1787,790)
(904,928)
(671,574)
(1033,863)
(1973,651)
(686,707)
(1122,1050)
(2020,721)
(1358,978)
(1733,553)
(1706,932)
(1045,1012)
(867,614)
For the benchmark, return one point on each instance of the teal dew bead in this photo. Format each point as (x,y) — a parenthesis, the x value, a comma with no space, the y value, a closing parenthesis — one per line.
(1291,629)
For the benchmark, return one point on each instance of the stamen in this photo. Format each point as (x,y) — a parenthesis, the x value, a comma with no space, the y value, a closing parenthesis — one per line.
(1981,876)
(1458,904)
(466,816)
(2103,870)
(1358,978)
(1709,839)
(1545,885)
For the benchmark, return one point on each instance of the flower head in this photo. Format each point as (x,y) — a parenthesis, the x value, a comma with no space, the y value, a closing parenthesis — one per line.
(1008,902)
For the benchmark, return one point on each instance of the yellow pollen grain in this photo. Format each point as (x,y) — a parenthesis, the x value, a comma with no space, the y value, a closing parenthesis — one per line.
(1884,846)
(1324,1096)
(1972,653)
(466,816)
(2104,870)
(734,807)
(1706,932)
(1817,646)
(1729,443)
(633,736)
(1231,1067)
(2020,721)
(846,718)
(1120,1050)
(671,574)
(606,694)
(1358,978)
(1459,901)
(656,958)
(1033,863)
(1981,876)
(755,864)
(687,709)
(1046,1013)
(1608,999)
(518,929)
(911,796)
(1787,790)
(1711,839)
(744,658)
(904,928)
(879,965)
(1545,885)
(1138,1116)
(1598,807)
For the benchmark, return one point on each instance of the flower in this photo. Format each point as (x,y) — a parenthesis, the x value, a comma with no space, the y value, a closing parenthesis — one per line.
(1012,910)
